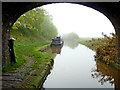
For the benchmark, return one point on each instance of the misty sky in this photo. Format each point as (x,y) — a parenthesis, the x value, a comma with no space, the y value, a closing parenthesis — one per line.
(86,22)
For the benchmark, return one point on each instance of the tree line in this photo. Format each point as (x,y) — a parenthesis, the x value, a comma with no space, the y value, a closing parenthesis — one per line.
(72,36)
(36,22)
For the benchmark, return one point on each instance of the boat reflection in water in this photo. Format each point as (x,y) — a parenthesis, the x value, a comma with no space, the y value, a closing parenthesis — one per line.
(56,49)
(105,73)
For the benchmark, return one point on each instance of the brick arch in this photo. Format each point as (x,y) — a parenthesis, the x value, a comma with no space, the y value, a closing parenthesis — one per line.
(11,11)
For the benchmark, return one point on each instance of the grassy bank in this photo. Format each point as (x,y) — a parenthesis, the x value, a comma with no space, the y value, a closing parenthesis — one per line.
(105,49)
(31,58)
(28,48)
(90,42)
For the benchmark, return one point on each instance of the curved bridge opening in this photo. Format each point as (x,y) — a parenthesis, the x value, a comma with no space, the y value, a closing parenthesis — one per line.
(15,10)
(11,14)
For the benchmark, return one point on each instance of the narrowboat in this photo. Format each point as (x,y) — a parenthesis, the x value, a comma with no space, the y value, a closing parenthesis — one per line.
(57,42)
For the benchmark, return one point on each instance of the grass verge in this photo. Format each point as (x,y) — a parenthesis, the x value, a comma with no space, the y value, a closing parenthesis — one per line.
(28,48)
(42,62)
(90,42)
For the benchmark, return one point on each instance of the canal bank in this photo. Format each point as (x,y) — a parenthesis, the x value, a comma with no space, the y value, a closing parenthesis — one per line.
(37,77)
(38,61)
(105,50)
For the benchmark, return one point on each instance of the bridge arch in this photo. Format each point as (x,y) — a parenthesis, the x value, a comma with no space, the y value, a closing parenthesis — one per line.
(11,11)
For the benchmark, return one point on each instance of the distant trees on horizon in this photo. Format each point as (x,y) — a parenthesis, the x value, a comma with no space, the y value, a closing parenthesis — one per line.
(72,36)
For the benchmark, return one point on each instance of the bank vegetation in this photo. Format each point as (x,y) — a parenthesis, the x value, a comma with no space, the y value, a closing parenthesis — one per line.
(105,48)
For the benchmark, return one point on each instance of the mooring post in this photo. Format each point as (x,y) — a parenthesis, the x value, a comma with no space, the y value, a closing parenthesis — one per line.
(11,50)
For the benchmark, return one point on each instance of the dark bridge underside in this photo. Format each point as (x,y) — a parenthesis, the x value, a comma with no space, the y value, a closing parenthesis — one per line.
(11,11)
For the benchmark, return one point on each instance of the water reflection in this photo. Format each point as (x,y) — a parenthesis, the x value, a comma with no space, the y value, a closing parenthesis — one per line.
(71,44)
(105,73)
(76,68)
(56,49)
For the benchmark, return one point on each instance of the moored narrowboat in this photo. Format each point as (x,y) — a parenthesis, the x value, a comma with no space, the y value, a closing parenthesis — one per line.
(57,42)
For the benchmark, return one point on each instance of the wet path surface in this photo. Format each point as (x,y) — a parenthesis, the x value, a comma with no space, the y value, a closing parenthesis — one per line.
(15,77)
(75,67)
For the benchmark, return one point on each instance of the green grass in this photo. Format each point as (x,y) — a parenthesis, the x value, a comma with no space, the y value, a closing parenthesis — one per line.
(90,42)
(28,48)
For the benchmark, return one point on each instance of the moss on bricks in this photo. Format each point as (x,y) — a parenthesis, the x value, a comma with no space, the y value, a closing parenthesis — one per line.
(35,79)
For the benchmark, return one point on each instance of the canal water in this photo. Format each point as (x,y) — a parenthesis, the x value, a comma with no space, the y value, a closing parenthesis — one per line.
(75,67)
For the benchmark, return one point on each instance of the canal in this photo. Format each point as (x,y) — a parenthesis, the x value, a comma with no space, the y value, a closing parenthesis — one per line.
(75,67)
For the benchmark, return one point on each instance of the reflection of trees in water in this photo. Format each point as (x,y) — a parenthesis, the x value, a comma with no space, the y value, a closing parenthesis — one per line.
(72,44)
(106,73)
(102,78)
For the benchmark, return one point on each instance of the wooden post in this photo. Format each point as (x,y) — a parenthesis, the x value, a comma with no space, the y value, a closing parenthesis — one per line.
(11,50)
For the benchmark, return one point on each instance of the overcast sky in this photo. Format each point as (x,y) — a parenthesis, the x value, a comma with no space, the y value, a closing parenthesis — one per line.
(85,21)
